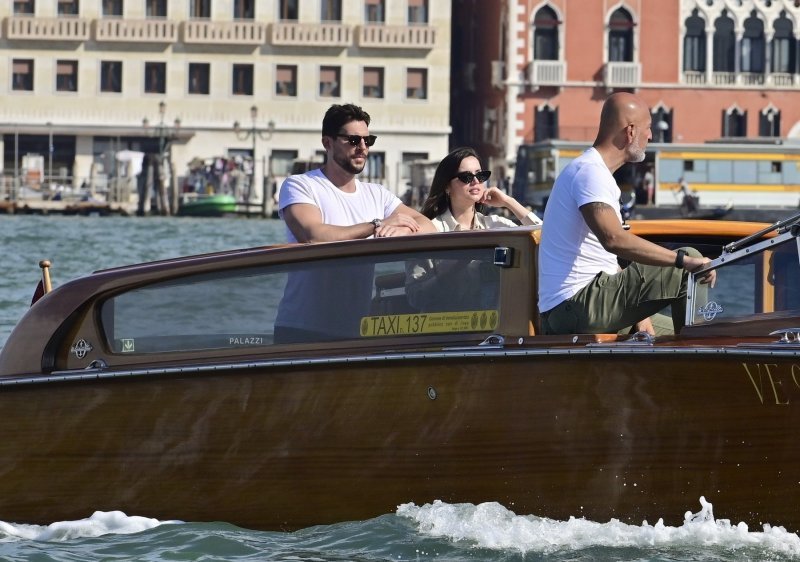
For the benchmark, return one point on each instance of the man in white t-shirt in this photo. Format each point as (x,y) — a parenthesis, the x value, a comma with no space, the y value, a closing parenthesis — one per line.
(331,204)
(581,286)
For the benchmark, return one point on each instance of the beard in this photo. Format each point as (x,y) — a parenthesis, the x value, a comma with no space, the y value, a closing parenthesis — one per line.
(346,164)
(635,152)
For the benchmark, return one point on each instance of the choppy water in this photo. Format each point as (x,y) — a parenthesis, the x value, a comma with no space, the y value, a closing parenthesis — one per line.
(439,531)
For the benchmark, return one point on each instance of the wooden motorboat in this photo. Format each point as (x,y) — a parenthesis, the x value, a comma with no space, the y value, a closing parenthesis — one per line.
(157,389)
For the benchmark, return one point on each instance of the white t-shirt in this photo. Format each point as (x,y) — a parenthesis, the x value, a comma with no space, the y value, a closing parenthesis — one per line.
(369,201)
(570,255)
(331,300)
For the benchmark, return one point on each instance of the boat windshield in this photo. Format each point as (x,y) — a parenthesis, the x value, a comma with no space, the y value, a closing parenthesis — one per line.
(751,282)
(425,292)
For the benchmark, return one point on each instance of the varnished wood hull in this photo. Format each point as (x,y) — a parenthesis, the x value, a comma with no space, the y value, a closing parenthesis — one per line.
(600,435)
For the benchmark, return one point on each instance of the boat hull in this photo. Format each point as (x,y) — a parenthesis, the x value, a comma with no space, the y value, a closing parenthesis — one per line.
(208,206)
(283,446)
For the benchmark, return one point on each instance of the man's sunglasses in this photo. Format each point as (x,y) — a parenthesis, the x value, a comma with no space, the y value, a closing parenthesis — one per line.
(467,177)
(355,140)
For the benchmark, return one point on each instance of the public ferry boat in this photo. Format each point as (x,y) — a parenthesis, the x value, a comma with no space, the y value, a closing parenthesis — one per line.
(159,389)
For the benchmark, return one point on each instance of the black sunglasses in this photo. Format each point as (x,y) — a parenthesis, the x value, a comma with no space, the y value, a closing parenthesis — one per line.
(355,140)
(467,177)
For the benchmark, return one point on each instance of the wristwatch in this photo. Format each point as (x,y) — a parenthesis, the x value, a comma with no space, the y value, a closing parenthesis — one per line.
(679,258)
(376,223)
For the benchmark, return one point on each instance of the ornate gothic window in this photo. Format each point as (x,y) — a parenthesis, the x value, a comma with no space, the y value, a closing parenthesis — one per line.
(694,43)
(769,122)
(753,45)
(784,46)
(546,123)
(734,122)
(724,44)
(545,35)
(620,36)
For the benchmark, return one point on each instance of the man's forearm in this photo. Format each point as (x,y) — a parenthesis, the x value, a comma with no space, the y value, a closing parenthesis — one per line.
(334,233)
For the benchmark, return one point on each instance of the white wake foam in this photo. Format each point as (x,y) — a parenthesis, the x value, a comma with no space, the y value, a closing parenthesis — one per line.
(100,523)
(490,525)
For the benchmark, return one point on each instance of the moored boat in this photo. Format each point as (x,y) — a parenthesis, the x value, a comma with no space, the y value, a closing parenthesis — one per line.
(158,389)
(207,205)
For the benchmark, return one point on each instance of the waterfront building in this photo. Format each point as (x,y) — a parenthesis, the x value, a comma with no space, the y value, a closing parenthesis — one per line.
(530,71)
(87,79)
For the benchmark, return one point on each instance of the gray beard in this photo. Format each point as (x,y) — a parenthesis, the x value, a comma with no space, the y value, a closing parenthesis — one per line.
(635,153)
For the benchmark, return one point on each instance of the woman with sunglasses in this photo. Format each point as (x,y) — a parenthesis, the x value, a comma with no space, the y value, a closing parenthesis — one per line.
(457,190)
(458,187)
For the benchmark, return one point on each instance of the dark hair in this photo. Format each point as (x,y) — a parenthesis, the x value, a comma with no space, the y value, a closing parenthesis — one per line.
(338,116)
(436,203)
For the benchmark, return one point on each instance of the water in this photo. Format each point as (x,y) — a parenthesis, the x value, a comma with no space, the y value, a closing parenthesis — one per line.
(439,531)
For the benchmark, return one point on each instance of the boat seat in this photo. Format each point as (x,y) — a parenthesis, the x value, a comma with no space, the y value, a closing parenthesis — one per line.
(390,295)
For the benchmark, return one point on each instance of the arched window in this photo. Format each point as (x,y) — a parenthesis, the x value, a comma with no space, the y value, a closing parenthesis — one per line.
(694,43)
(769,122)
(545,35)
(546,124)
(620,36)
(734,122)
(784,49)
(724,44)
(753,45)
(662,124)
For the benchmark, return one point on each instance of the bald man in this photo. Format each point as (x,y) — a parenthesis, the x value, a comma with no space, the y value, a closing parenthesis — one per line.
(581,286)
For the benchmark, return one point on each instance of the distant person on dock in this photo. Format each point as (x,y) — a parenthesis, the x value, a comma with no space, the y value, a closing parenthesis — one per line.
(459,188)
(581,286)
(330,203)
(649,185)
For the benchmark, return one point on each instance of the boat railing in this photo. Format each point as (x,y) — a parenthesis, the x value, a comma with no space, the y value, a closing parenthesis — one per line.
(780,226)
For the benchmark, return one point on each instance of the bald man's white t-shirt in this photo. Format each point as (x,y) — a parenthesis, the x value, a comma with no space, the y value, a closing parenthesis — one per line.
(570,255)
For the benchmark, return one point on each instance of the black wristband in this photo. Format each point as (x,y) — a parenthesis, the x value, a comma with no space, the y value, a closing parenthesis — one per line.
(679,259)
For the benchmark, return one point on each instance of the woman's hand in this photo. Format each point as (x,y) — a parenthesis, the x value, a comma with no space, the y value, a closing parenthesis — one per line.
(494,197)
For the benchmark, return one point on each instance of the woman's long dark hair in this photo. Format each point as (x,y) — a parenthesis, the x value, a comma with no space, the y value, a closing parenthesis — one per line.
(436,203)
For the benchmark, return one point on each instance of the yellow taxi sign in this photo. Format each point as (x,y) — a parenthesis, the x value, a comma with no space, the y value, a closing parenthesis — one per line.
(429,323)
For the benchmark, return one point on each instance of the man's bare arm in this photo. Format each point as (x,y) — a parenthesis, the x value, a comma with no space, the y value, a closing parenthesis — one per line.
(305,222)
(425,224)
(404,221)
(602,220)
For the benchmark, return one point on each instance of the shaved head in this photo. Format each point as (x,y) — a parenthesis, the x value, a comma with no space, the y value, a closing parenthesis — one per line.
(624,127)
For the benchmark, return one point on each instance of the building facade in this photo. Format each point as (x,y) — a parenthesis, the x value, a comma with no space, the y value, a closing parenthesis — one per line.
(86,79)
(709,69)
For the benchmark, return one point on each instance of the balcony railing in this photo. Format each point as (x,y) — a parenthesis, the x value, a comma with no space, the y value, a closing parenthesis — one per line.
(47,29)
(723,78)
(752,78)
(311,34)
(784,80)
(694,77)
(622,74)
(224,32)
(146,31)
(547,72)
(396,37)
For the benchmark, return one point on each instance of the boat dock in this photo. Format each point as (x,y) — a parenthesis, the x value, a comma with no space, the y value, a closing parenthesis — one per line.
(49,207)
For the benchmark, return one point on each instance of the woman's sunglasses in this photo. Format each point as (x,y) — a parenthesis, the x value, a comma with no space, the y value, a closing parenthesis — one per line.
(467,177)
(355,140)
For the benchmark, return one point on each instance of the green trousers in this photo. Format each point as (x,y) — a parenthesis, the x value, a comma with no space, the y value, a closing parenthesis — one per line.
(613,303)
